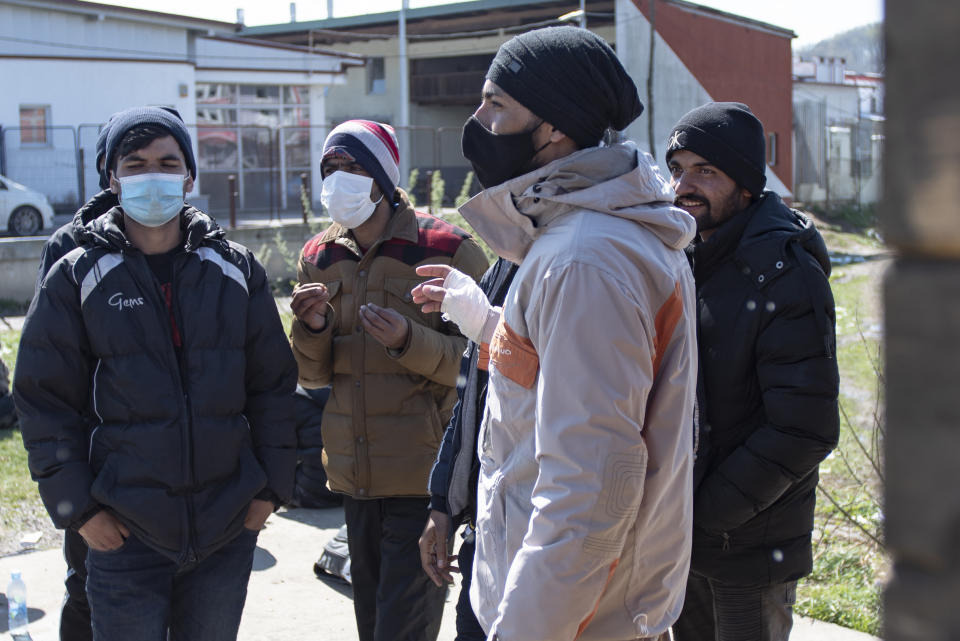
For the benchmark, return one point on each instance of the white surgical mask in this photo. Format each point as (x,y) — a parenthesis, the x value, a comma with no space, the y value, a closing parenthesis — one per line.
(152,199)
(346,197)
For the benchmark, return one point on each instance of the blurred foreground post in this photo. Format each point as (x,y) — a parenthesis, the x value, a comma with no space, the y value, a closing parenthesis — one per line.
(920,213)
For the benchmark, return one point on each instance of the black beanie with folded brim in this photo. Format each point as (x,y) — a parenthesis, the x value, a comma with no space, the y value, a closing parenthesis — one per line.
(570,78)
(730,137)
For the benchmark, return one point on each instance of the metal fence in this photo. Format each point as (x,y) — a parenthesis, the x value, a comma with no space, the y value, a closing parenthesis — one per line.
(268,164)
(837,160)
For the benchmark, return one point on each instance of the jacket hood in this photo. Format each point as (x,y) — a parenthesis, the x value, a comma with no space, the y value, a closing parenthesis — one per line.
(773,219)
(108,230)
(95,207)
(618,180)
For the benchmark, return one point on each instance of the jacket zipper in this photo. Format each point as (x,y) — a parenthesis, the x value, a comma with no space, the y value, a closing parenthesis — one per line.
(726,542)
(188,555)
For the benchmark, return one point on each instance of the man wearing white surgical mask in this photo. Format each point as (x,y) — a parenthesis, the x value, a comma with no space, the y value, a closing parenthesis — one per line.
(392,369)
(155,391)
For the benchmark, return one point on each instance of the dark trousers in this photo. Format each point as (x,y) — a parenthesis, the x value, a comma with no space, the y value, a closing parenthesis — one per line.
(75,614)
(715,611)
(393,598)
(468,628)
(138,594)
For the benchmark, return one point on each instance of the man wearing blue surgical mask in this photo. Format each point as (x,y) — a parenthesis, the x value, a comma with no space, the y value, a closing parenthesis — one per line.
(154,389)
(392,369)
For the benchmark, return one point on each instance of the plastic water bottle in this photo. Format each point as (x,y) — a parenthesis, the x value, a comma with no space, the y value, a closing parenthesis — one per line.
(17,607)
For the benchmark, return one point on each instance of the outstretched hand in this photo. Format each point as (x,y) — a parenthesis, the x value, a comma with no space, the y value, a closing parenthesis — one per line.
(429,294)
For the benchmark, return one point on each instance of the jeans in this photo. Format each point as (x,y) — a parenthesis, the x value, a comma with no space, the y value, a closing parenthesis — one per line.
(393,599)
(138,594)
(468,628)
(75,614)
(716,611)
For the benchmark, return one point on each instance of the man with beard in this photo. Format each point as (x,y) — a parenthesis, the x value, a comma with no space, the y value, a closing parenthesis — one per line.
(768,380)
(585,446)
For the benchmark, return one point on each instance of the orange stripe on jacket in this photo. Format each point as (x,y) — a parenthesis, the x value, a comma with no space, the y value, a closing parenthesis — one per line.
(593,613)
(514,355)
(483,356)
(664,324)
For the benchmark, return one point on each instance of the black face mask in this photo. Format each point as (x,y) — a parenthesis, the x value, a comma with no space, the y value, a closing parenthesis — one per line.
(496,158)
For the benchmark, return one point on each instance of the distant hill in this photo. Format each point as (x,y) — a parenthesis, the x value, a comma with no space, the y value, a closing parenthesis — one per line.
(862,47)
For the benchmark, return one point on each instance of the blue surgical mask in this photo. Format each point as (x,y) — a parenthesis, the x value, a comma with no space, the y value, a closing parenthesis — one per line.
(152,199)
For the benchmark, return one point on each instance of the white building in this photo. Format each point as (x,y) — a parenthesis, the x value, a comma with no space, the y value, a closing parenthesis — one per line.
(838,133)
(67,65)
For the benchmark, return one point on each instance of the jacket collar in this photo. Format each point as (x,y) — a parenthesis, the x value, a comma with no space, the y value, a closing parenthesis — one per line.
(724,240)
(758,236)
(617,180)
(108,230)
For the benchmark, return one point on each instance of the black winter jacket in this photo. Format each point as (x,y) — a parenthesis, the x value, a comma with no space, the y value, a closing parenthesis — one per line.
(310,485)
(455,471)
(175,447)
(62,240)
(768,393)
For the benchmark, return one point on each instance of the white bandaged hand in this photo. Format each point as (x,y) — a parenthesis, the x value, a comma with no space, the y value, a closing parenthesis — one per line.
(465,304)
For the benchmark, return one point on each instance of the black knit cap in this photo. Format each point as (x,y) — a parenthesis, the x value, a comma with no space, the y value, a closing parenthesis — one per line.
(569,77)
(164,117)
(101,149)
(730,137)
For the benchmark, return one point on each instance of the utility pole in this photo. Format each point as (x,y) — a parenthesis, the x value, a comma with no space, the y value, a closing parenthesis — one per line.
(403,133)
(583,14)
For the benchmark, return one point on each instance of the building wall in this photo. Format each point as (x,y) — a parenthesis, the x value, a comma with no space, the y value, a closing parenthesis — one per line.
(842,101)
(675,89)
(730,62)
(434,137)
(829,167)
(82,65)
(79,92)
(40,32)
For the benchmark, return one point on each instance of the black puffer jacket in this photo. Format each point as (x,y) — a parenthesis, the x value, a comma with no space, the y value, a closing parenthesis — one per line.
(768,392)
(177,447)
(453,479)
(62,240)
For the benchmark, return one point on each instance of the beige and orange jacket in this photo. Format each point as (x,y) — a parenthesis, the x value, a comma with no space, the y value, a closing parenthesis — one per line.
(384,420)
(586,445)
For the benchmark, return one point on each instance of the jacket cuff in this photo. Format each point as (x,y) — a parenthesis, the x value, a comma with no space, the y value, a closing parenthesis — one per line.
(86,516)
(266,494)
(438,503)
(305,337)
(416,354)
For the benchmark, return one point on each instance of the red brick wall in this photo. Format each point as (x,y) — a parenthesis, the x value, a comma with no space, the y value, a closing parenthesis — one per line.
(735,62)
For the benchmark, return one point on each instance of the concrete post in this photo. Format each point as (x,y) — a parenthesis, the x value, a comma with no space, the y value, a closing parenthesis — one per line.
(921,219)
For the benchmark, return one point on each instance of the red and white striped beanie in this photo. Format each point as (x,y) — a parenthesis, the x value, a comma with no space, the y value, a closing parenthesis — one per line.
(373,145)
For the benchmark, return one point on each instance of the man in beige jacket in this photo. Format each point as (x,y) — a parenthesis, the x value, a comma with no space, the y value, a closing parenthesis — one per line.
(391,368)
(584,507)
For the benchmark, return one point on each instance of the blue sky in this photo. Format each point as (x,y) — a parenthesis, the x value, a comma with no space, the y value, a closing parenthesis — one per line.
(812,20)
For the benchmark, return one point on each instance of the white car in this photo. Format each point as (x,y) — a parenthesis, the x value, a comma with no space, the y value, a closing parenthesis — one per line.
(23,211)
